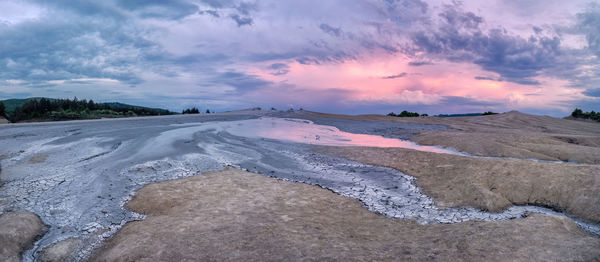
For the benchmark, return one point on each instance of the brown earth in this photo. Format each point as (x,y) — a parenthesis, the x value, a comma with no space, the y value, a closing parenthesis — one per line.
(233,215)
(511,134)
(61,251)
(41,158)
(18,230)
(490,184)
(3,120)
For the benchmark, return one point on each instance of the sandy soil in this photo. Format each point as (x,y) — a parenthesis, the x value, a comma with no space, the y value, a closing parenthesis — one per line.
(490,184)
(511,134)
(233,215)
(18,230)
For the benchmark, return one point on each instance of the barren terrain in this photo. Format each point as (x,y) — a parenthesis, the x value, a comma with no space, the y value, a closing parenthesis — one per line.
(490,183)
(238,216)
(511,134)
(520,187)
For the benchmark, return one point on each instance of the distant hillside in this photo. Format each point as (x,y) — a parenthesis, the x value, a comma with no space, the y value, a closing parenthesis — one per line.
(12,104)
(50,109)
(121,105)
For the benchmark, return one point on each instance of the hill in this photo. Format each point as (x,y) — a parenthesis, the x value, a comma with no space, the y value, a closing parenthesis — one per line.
(52,109)
(12,104)
(121,105)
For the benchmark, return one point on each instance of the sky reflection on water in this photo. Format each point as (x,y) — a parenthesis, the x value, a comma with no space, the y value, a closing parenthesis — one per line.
(304,131)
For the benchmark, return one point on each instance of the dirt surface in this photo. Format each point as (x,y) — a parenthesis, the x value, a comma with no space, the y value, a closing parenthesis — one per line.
(511,134)
(3,120)
(38,159)
(18,230)
(491,184)
(233,215)
(61,251)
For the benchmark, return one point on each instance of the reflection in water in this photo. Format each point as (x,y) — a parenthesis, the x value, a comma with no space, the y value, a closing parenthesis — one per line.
(304,131)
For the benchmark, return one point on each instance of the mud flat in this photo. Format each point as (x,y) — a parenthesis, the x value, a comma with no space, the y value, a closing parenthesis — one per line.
(511,134)
(77,177)
(491,184)
(235,215)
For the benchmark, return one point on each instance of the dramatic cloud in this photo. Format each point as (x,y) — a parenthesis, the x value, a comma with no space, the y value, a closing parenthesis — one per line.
(279,69)
(331,30)
(419,63)
(353,56)
(403,74)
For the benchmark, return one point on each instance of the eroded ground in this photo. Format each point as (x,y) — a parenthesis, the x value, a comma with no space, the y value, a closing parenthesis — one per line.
(491,184)
(77,176)
(511,134)
(239,216)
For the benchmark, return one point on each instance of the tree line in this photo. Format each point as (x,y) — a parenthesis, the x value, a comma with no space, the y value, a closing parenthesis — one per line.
(71,109)
(2,110)
(194,110)
(578,113)
(407,114)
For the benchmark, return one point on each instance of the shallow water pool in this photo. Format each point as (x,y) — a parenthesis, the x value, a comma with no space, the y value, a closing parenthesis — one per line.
(307,132)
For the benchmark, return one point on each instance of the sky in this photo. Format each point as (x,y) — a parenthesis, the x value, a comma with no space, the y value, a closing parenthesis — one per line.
(337,56)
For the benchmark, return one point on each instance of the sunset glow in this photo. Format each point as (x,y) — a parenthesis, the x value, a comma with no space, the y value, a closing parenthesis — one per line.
(373,56)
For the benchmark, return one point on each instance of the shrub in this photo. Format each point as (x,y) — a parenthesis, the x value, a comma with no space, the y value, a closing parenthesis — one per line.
(406,114)
(488,113)
(578,113)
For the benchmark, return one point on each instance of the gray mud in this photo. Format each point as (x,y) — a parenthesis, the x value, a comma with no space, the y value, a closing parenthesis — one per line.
(386,129)
(93,167)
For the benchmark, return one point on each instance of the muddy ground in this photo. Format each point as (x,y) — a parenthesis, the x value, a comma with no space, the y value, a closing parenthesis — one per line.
(77,175)
(234,215)
(490,183)
(511,134)
(18,230)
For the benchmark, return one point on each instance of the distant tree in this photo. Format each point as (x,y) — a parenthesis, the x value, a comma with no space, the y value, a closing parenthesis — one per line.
(208,111)
(489,113)
(405,114)
(91,105)
(577,112)
(2,110)
(273,109)
(408,114)
(192,110)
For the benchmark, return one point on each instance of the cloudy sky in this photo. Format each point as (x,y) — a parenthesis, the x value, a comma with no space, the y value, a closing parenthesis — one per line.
(344,56)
